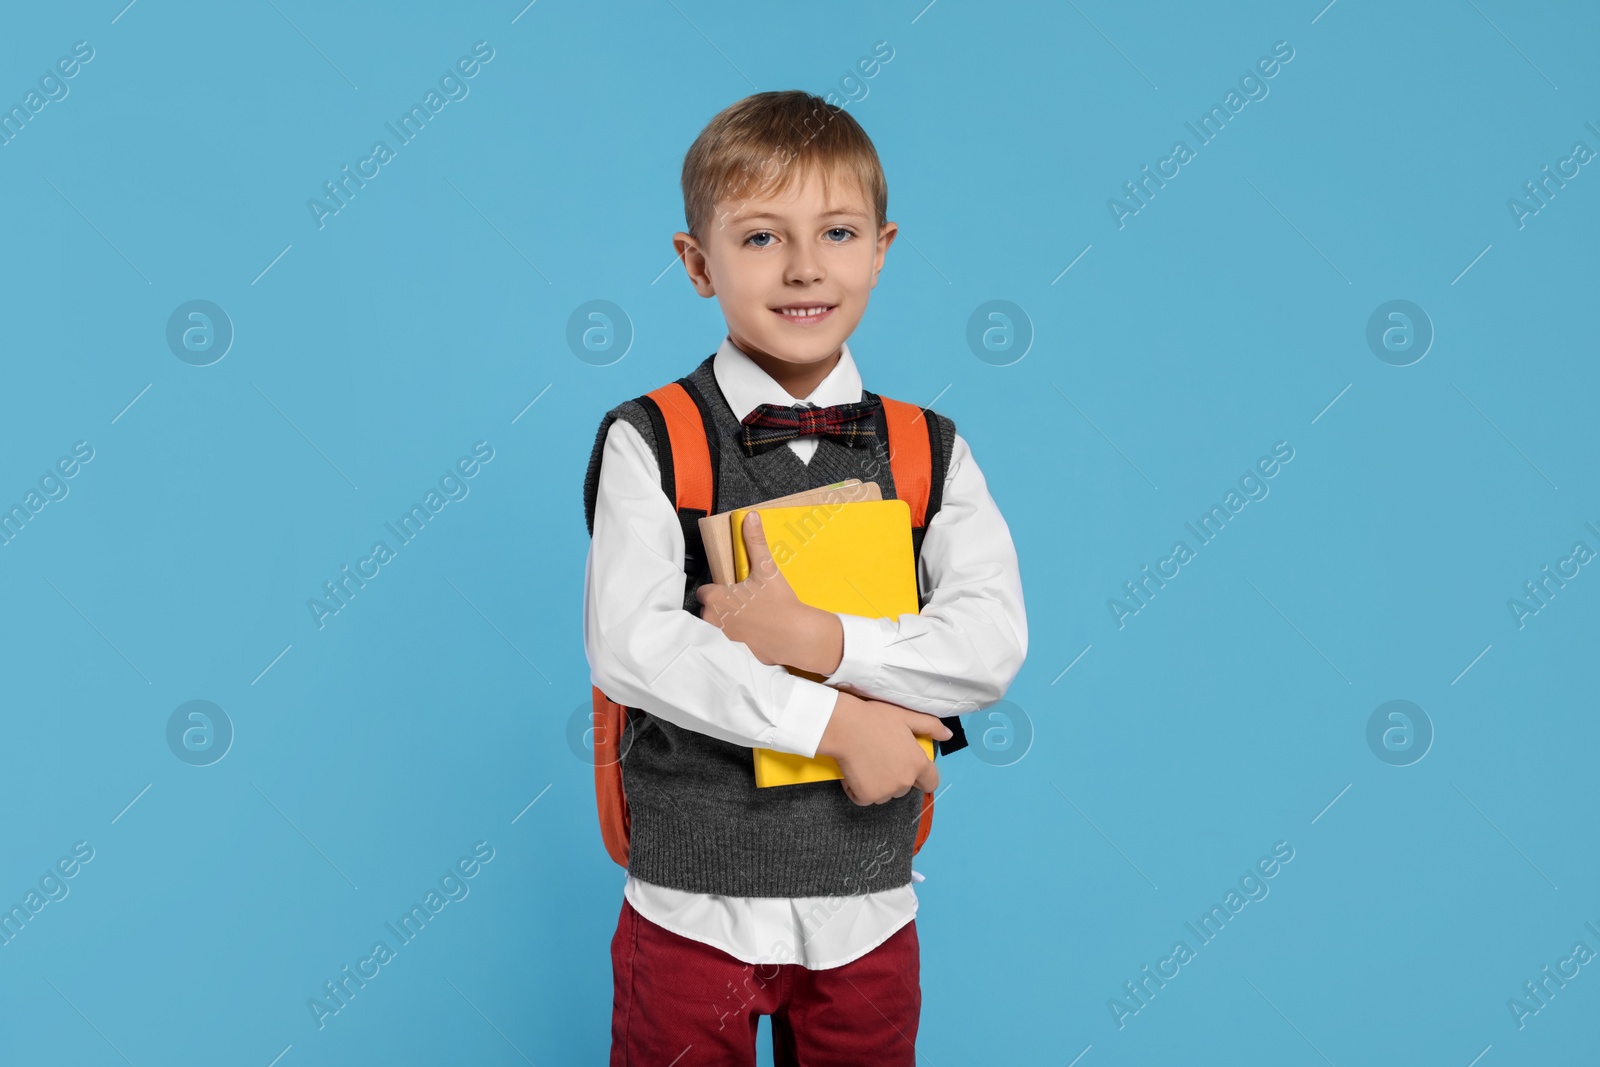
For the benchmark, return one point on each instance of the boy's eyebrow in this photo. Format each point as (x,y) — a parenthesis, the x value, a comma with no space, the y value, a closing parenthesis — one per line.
(747,216)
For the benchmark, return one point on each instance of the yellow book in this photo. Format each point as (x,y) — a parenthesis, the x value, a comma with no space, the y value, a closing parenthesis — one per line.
(714,528)
(854,558)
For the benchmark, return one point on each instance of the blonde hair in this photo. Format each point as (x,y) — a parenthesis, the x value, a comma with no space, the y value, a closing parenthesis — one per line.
(761,145)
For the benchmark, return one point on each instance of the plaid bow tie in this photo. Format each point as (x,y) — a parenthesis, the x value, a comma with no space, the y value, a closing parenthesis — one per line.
(771,425)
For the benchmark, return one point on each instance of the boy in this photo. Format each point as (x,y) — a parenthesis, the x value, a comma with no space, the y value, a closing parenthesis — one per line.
(795,901)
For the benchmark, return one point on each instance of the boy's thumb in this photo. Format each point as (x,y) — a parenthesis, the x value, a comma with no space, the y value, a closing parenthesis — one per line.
(755,540)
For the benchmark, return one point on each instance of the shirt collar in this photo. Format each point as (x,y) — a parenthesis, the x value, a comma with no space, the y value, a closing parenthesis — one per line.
(745,384)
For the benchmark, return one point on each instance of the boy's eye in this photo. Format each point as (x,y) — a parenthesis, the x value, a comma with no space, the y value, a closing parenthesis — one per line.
(755,239)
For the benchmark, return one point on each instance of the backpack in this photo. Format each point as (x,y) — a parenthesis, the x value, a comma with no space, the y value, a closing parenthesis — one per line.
(682,419)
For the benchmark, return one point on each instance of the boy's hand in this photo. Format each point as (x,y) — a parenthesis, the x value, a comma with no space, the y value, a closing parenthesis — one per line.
(875,743)
(763,613)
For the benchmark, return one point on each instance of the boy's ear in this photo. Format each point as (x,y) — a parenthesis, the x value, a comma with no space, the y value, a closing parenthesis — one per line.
(694,263)
(886,238)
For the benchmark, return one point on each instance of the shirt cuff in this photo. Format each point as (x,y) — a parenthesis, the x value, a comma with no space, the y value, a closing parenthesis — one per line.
(804,720)
(864,642)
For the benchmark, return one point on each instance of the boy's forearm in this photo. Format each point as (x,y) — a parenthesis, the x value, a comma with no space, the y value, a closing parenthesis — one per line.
(938,666)
(834,735)
(951,683)
(645,651)
(712,688)
(966,645)
(818,643)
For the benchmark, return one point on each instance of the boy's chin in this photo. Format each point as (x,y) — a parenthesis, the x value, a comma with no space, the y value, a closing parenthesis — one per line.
(813,351)
(803,344)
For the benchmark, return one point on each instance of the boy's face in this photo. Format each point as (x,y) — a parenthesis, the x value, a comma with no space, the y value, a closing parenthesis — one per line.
(802,250)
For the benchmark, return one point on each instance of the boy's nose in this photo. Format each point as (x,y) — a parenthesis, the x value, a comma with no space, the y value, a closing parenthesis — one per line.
(804,266)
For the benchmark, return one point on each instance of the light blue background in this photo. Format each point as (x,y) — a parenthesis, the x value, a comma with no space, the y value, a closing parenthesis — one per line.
(1227,315)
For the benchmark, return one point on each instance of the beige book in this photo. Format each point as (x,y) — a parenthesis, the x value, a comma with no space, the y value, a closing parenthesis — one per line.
(717,534)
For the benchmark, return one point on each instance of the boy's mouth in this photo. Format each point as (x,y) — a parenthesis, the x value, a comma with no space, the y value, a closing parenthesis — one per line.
(804,314)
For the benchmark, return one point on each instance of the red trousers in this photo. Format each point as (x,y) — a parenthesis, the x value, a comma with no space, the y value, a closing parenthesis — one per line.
(678,1002)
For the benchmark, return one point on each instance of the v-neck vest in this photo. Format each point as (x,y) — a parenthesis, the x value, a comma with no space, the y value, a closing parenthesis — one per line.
(697,822)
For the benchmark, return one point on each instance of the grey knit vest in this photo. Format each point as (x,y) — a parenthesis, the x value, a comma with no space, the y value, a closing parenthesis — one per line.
(697,820)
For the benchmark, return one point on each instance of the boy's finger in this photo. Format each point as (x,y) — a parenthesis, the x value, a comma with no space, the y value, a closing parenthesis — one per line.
(755,543)
(712,608)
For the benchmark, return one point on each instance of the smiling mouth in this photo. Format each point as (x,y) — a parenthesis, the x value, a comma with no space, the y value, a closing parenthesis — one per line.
(805,314)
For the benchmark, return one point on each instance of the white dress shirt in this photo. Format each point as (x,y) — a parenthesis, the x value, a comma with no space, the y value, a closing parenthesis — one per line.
(959,654)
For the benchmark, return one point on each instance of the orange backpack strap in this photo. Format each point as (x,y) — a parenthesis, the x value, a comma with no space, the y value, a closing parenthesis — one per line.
(916,462)
(609,721)
(685,434)
(911,453)
(924,823)
(679,419)
(683,430)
